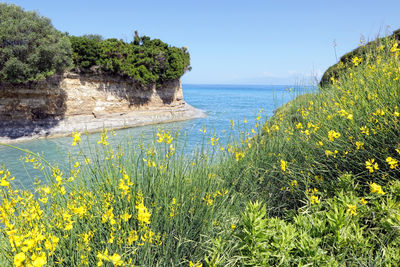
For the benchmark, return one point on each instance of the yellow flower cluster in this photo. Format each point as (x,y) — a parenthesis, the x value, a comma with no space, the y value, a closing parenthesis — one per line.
(115,259)
(312,193)
(104,138)
(393,163)
(164,136)
(375,188)
(77,138)
(196,264)
(143,213)
(283,165)
(210,198)
(352,210)
(371,165)
(332,135)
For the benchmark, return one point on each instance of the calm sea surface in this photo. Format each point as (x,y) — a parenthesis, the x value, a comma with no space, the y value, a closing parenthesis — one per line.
(222,103)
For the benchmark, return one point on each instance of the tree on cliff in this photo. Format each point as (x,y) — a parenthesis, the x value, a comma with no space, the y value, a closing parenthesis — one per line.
(31,49)
(145,60)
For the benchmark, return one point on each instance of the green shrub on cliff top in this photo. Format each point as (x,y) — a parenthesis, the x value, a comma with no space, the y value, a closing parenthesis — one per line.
(31,49)
(144,60)
(86,51)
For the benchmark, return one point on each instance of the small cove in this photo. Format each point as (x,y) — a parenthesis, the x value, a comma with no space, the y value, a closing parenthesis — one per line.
(222,103)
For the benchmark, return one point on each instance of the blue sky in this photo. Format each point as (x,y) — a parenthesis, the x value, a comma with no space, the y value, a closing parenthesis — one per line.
(235,42)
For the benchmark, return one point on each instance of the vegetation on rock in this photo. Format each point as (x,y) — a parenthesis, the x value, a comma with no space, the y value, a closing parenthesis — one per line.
(31,49)
(144,60)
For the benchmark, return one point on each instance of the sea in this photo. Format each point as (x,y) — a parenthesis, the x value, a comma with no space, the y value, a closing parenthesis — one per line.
(223,105)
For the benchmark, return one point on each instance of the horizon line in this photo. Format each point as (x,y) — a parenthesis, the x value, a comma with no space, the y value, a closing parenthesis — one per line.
(239,84)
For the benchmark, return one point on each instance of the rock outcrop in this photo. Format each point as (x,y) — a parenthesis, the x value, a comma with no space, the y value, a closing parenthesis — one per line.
(80,102)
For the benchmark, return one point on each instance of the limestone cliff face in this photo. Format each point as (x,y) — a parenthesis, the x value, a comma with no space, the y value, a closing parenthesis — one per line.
(73,94)
(79,102)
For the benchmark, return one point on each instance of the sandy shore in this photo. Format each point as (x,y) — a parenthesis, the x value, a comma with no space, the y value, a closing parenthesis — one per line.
(13,132)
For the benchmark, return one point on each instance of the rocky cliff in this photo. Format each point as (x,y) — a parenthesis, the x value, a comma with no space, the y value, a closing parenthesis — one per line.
(79,102)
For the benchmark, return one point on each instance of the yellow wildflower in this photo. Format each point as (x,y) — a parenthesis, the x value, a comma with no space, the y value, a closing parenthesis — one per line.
(328,153)
(51,243)
(39,260)
(299,126)
(197,264)
(371,165)
(214,140)
(239,155)
(283,165)
(374,188)
(77,138)
(359,145)
(364,130)
(69,226)
(4,182)
(352,209)
(363,201)
(356,61)
(314,199)
(115,258)
(392,162)
(103,138)
(394,48)
(19,259)
(332,135)
(208,199)
(111,240)
(133,236)
(108,216)
(126,216)
(143,214)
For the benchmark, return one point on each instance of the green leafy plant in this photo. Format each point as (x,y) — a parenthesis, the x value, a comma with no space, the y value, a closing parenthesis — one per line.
(30,48)
(144,60)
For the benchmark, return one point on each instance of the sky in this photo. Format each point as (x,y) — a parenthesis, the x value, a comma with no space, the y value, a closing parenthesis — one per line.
(232,41)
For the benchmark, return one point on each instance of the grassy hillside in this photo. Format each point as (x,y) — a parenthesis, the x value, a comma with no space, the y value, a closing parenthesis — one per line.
(317,184)
(347,59)
(326,168)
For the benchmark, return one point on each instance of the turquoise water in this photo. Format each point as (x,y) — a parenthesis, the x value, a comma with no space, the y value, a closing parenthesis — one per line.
(222,103)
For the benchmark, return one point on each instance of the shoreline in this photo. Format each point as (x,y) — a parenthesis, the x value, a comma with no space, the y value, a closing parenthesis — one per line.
(17,132)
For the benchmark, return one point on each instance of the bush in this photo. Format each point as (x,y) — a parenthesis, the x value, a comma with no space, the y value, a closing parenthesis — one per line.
(86,51)
(30,48)
(347,229)
(144,60)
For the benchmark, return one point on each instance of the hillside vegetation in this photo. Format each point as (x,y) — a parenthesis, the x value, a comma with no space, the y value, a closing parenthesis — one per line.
(360,52)
(316,184)
(31,49)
